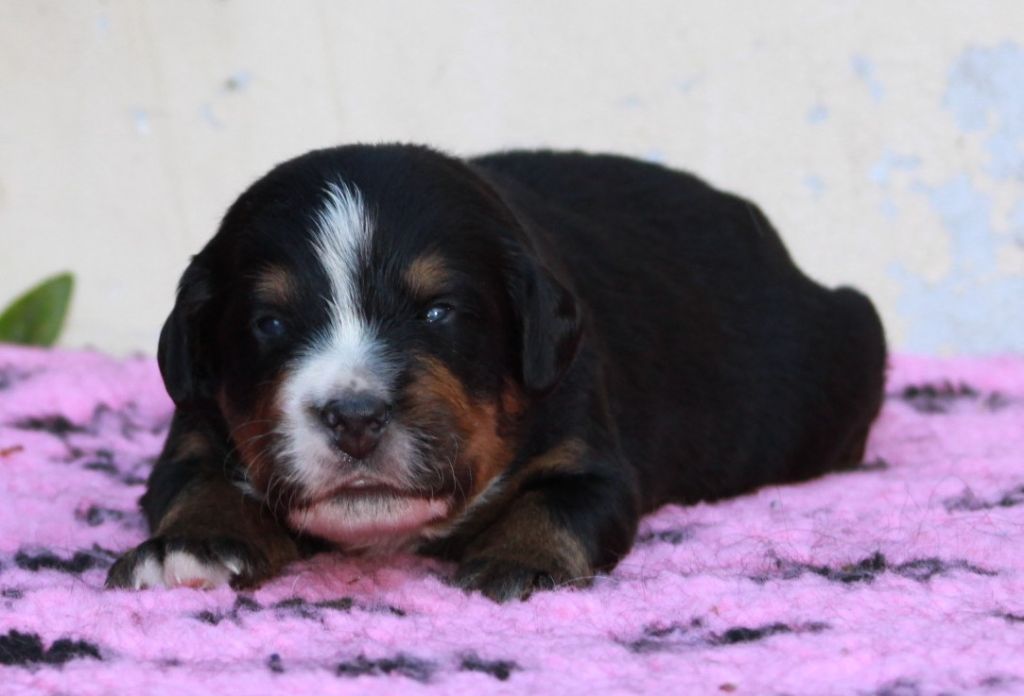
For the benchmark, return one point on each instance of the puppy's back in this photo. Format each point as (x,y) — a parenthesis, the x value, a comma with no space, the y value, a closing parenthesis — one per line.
(725,364)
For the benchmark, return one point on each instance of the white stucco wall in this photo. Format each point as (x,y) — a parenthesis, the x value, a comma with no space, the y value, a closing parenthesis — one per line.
(885,139)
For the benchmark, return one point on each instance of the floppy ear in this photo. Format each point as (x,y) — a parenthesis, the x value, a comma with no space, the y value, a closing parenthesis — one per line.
(550,325)
(180,356)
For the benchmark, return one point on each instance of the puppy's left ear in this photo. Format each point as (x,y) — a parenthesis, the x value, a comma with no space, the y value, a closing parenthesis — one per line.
(183,362)
(549,323)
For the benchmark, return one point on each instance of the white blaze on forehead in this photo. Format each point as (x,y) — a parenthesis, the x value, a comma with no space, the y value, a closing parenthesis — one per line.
(342,240)
(344,355)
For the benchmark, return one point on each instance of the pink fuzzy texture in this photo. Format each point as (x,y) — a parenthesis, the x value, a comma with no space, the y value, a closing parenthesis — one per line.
(904,577)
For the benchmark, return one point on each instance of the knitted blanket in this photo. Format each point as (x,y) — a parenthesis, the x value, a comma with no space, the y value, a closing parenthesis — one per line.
(905,576)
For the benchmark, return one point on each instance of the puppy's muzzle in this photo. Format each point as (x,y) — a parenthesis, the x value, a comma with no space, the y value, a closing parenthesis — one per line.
(356,421)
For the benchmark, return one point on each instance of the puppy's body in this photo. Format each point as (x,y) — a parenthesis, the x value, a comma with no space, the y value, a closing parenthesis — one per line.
(725,368)
(613,336)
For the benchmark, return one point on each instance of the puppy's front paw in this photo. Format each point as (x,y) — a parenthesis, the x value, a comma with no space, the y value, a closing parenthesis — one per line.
(503,579)
(188,562)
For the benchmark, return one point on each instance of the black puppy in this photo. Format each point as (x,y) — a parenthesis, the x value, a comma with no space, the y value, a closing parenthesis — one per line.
(503,361)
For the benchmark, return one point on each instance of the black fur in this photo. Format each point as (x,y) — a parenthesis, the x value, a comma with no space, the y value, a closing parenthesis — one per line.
(725,367)
(657,321)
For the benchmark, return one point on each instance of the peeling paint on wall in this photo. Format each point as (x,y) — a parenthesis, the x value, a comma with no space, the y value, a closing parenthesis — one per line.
(815,185)
(892,162)
(975,308)
(865,70)
(986,95)
(1017,223)
(685,86)
(817,114)
(140,119)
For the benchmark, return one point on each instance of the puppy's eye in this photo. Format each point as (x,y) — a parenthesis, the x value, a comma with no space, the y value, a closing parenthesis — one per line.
(437,313)
(270,326)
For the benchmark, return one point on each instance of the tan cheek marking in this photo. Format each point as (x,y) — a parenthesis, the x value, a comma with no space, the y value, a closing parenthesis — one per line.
(275,285)
(485,447)
(426,275)
(563,458)
(253,432)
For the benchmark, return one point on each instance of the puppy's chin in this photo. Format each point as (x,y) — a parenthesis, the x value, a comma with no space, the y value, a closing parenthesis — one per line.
(373,520)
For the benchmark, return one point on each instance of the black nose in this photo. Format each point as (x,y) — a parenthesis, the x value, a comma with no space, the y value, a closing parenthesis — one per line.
(357,422)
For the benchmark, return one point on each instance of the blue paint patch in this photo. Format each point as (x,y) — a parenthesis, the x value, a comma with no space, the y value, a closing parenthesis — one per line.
(815,185)
(974,309)
(986,94)
(686,85)
(238,82)
(630,101)
(865,70)
(140,119)
(1017,223)
(965,213)
(890,162)
(208,115)
(103,25)
(817,114)
(888,208)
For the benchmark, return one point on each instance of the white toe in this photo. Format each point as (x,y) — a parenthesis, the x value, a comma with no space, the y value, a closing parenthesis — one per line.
(182,569)
(148,574)
(233,564)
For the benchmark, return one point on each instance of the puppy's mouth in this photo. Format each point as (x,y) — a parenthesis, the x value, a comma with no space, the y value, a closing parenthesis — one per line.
(364,512)
(385,499)
(365,487)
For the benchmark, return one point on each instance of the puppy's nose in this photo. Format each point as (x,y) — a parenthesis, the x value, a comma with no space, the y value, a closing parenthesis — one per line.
(357,422)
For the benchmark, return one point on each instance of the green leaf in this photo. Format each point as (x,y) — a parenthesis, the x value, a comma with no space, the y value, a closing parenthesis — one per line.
(37,317)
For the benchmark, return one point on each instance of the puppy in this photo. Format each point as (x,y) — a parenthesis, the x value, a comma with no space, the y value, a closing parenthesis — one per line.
(501,361)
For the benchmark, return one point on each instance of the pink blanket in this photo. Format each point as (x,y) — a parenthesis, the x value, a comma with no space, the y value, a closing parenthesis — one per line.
(903,577)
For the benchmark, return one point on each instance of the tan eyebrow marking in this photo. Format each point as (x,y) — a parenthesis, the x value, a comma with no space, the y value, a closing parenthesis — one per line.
(426,275)
(275,285)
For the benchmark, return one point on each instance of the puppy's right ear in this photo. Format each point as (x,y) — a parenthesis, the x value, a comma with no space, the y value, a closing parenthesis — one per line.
(182,359)
(550,324)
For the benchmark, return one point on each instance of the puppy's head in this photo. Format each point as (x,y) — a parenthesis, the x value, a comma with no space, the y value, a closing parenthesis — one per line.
(372,325)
